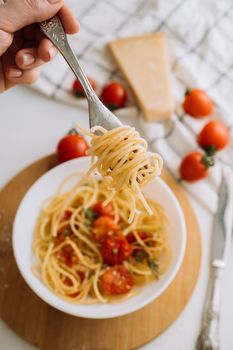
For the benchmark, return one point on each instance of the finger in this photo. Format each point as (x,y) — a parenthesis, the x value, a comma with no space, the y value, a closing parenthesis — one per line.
(46,50)
(15,14)
(13,76)
(69,21)
(5,41)
(29,59)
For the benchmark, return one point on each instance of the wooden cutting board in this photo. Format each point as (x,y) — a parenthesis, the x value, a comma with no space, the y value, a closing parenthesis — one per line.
(50,329)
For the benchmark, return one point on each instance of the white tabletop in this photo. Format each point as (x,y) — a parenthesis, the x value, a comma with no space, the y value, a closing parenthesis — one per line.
(30,126)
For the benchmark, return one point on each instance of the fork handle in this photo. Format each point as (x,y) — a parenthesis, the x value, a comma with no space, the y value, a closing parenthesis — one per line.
(209,336)
(54,31)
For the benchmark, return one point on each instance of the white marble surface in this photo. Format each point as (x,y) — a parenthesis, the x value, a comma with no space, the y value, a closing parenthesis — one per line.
(30,126)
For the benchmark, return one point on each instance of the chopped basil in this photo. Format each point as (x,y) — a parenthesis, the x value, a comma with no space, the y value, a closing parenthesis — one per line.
(87,222)
(90,215)
(141,255)
(66,232)
(153,266)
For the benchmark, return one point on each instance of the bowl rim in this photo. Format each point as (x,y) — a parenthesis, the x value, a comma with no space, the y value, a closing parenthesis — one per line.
(134,307)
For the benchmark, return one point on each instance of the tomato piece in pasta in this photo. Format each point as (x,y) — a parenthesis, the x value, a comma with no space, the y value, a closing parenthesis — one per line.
(104,210)
(116,249)
(106,223)
(131,237)
(67,256)
(117,280)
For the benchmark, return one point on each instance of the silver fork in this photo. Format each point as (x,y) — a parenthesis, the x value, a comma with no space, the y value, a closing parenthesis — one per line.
(98,113)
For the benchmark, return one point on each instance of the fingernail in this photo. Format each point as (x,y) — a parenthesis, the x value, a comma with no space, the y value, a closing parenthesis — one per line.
(52,52)
(14,73)
(28,59)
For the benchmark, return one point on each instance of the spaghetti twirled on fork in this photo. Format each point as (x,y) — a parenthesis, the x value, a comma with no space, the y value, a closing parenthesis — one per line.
(102,237)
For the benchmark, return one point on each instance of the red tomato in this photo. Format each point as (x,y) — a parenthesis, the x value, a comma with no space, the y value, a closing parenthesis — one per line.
(214,136)
(70,147)
(77,88)
(103,210)
(115,249)
(59,239)
(66,216)
(67,256)
(114,96)
(68,281)
(103,226)
(195,166)
(64,231)
(105,222)
(117,280)
(131,238)
(197,103)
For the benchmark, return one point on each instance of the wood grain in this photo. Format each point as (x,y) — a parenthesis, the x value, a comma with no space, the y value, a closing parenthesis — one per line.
(50,329)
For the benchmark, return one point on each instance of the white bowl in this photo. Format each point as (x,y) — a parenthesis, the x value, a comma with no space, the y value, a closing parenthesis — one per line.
(24,225)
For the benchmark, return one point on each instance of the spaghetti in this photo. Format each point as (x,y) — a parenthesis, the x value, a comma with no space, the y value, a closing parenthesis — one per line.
(121,156)
(87,252)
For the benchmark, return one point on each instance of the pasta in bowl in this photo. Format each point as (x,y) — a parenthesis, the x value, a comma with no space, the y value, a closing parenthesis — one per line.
(87,250)
(145,288)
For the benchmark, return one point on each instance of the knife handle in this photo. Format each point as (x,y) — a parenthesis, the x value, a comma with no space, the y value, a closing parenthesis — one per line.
(209,335)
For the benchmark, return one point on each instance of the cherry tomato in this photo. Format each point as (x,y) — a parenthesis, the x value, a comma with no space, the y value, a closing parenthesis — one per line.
(64,231)
(195,166)
(197,103)
(77,88)
(117,280)
(213,137)
(116,249)
(105,222)
(114,96)
(131,238)
(71,146)
(104,226)
(68,281)
(66,216)
(67,255)
(103,210)
(59,239)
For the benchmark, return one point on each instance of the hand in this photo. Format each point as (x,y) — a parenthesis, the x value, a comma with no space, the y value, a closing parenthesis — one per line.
(23,48)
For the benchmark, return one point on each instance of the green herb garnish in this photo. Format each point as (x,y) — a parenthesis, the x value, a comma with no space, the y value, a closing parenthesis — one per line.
(141,255)
(90,215)
(66,232)
(87,222)
(153,266)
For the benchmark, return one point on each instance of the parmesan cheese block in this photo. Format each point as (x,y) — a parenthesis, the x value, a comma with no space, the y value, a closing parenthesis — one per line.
(144,62)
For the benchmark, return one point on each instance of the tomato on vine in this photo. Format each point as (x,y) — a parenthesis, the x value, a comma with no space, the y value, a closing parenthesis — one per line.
(197,103)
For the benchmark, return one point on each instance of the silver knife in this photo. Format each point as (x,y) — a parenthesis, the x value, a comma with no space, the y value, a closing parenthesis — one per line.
(209,335)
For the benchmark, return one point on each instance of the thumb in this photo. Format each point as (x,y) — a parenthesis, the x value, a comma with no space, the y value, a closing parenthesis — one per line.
(15,14)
